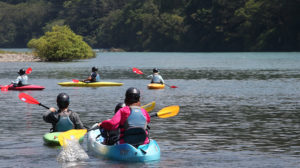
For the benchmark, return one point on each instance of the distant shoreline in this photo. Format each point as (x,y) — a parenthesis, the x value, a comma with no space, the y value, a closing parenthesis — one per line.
(11,56)
(18,57)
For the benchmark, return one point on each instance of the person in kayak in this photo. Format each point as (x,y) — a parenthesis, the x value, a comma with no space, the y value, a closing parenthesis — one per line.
(62,119)
(132,120)
(21,80)
(156,77)
(94,77)
(112,136)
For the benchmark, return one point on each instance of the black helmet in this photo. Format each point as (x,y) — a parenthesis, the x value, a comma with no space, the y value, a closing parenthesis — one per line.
(155,70)
(21,72)
(94,69)
(118,106)
(132,95)
(63,100)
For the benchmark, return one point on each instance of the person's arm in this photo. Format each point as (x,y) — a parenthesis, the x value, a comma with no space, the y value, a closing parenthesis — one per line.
(150,76)
(113,123)
(77,122)
(17,80)
(50,116)
(87,79)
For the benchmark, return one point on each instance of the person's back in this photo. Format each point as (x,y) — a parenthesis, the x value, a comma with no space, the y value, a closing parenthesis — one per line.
(131,117)
(63,119)
(22,79)
(156,78)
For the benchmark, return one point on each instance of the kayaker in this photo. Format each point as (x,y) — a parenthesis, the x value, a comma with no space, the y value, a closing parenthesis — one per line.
(112,136)
(94,77)
(156,77)
(62,119)
(21,80)
(130,119)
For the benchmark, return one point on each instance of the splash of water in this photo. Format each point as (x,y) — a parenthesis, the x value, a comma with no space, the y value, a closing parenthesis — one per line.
(72,151)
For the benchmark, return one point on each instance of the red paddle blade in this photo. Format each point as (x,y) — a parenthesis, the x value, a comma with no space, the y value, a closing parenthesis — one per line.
(27,99)
(137,71)
(29,70)
(75,80)
(4,88)
(174,86)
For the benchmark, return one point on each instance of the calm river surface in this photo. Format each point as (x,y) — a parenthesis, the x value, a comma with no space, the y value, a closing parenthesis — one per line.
(237,109)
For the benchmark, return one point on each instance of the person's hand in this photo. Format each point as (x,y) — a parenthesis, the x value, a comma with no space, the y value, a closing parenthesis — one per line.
(99,125)
(52,109)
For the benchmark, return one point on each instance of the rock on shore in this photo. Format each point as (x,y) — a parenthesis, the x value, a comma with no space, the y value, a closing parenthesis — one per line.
(18,57)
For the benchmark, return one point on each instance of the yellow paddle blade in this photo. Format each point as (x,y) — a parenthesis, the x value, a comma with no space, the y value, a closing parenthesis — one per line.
(167,112)
(71,134)
(149,107)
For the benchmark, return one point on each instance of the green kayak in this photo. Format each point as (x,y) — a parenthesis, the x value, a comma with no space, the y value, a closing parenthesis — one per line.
(51,139)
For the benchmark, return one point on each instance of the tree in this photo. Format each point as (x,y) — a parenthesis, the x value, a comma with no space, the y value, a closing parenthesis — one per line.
(61,44)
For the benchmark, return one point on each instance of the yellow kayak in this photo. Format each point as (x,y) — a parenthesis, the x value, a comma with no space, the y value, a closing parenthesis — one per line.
(93,84)
(156,86)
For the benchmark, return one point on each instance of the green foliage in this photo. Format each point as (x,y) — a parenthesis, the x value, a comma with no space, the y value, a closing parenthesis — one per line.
(159,25)
(61,44)
(21,22)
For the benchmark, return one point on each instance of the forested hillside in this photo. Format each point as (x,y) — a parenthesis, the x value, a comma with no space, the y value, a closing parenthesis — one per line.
(158,25)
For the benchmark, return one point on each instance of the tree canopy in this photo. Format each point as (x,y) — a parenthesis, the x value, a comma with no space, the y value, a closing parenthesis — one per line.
(61,44)
(158,25)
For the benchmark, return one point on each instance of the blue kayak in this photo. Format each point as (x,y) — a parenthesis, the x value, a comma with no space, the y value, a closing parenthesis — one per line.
(123,152)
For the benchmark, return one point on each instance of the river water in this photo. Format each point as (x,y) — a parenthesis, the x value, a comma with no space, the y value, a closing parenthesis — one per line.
(237,109)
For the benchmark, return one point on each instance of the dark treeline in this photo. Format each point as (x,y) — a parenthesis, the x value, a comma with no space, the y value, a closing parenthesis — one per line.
(158,25)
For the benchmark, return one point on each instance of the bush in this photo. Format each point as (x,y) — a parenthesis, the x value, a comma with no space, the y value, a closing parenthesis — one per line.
(61,44)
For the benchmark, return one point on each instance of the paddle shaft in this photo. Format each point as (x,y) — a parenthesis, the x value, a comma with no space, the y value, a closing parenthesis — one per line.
(153,115)
(44,106)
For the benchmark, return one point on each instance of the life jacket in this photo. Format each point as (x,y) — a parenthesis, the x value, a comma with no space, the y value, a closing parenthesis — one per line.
(95,77)
(64,123)
(21,81)
(156,78)
(135,119)
(135,127)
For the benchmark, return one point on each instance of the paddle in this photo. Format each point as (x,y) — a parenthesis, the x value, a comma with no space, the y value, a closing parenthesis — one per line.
(137,71)
(166,112)
(4,88)
(149,107)
(75,80)
(29,70)
(28,99)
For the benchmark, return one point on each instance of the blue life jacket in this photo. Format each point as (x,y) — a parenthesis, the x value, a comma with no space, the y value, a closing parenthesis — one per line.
(95,77)
(135,119)
(156,79)
(64,124)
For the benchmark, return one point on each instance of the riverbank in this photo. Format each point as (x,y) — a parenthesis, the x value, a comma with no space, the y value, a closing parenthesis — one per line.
(18,57)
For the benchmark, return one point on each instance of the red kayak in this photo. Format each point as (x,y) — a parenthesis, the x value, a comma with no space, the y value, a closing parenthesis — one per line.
(25,87)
